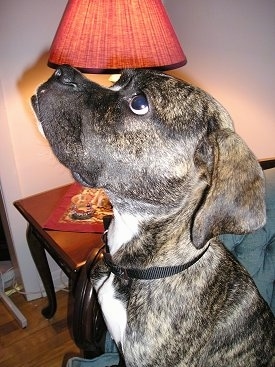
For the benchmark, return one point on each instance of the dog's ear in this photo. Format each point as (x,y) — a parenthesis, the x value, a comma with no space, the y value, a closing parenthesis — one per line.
(234,200)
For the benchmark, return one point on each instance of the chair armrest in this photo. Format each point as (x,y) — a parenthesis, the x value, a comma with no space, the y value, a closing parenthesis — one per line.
(267,163)
(87,325)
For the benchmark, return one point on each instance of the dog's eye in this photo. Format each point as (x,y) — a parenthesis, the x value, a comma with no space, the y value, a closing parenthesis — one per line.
(139,104)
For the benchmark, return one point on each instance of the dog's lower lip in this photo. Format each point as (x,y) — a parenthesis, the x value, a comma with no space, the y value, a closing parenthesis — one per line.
(35,106)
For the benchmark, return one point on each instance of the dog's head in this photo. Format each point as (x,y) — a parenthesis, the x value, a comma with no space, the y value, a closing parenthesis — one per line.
(156,144)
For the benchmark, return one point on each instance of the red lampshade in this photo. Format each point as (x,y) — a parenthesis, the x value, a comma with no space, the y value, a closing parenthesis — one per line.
(105,36)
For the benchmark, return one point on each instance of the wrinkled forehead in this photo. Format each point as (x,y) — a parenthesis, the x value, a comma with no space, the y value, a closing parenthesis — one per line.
(142,79)
(174,99)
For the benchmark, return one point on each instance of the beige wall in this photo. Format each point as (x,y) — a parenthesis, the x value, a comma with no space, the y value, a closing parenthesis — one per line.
(230,50)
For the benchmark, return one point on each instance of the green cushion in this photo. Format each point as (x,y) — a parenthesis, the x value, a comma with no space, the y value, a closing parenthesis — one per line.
(256,251)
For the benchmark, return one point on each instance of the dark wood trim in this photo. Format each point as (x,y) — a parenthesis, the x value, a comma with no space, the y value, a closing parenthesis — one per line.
(267,163)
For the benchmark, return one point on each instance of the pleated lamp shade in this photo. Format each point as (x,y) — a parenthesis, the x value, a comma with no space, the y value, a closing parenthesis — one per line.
(105,36)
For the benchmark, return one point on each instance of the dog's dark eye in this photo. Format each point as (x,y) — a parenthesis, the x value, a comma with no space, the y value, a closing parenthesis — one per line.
(139,104)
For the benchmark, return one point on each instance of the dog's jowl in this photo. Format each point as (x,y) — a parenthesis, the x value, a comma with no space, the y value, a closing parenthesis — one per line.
(177,176)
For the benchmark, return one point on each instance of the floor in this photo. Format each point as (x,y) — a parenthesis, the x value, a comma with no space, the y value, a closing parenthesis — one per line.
(43,343)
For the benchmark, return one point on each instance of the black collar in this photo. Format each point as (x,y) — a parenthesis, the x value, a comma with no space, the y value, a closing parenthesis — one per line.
(155,272)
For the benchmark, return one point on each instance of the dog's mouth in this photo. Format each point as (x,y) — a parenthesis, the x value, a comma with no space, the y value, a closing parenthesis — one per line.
(35,105)
(36,108)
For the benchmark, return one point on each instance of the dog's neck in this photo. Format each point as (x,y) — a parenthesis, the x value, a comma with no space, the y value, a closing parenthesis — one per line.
(145,238)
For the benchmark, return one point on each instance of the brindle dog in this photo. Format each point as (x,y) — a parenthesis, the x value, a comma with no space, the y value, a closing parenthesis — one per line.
(177,176)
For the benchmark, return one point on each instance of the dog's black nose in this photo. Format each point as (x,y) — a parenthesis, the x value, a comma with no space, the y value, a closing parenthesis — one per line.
(65,74)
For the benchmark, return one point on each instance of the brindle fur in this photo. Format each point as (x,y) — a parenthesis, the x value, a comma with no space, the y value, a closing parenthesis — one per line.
(184,173)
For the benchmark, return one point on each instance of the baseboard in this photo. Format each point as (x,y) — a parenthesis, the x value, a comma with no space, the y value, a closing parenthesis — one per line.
(60,281)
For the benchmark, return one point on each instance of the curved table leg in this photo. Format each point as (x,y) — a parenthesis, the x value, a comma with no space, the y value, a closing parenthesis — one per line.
(40,259)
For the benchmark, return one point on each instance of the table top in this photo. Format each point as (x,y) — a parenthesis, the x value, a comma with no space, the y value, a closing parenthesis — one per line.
(71,247)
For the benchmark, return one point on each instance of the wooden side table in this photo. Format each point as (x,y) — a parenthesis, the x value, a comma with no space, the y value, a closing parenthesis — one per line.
(69,249)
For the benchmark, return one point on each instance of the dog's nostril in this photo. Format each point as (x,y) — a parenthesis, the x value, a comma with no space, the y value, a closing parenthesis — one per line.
(65,75)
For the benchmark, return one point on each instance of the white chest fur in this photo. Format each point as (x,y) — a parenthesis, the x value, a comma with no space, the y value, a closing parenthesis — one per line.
(113,309)
(122,229)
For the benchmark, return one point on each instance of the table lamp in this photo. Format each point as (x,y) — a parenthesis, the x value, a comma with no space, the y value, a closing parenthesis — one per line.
(105,36)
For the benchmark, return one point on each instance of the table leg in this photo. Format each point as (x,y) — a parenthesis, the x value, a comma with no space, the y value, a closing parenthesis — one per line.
(40,259)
